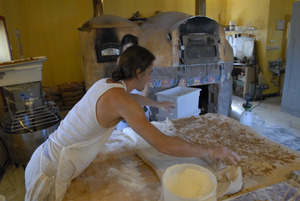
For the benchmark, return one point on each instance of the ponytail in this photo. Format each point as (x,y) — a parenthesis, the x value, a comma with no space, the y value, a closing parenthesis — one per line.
(117,75)
(133,58)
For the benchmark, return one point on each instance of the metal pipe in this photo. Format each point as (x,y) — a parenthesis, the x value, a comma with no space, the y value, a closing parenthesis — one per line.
(200,7)
(98,7)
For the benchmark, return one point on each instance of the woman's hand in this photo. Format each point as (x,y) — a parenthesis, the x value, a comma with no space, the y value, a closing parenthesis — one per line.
(166,105)
(223,153)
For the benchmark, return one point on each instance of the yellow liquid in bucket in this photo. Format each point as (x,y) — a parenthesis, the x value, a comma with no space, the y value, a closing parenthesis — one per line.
(188,182)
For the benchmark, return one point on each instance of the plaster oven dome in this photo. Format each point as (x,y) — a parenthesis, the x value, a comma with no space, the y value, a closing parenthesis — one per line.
(100,39)
(106,21)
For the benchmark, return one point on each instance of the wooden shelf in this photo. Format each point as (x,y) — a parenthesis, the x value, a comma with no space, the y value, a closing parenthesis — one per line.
(244,80)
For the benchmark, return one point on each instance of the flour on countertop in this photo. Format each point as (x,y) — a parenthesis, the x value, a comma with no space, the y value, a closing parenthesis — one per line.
(127,173)
(116,144)
(130,176)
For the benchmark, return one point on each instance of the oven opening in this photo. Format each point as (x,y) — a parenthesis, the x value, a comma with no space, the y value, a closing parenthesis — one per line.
(107,52)
(203,99)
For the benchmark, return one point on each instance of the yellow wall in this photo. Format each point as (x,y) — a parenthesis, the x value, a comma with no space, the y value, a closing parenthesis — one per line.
(49,28)
(278,10)
(262,15)
(251,13)
(215,9)
(1,7)
(147,8)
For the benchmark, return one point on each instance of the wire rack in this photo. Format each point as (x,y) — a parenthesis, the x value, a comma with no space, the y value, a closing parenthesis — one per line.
(30,121)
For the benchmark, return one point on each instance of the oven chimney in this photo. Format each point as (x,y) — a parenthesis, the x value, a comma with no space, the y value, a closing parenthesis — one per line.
(98,7)
(200,7)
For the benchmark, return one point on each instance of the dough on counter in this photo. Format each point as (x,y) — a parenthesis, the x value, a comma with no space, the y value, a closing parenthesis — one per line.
(190,183)
(229,178)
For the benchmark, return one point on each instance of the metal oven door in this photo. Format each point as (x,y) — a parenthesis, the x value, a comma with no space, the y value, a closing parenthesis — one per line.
(199,48)
(107,52)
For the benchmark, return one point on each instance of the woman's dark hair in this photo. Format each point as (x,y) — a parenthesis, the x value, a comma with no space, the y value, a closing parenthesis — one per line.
(133,58)
(128,38)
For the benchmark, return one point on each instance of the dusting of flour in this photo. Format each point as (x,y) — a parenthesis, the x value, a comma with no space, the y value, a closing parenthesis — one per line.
(126,173)
(190,183)
(130,177)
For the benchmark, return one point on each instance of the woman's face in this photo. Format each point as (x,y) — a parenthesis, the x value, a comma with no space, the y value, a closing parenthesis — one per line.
(148,71)
(146,77)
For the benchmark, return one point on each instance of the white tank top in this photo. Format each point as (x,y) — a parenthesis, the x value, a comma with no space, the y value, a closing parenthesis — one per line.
(77,141)
(81,123)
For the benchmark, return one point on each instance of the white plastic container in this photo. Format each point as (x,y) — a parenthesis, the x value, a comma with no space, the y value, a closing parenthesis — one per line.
(160,117)
(246,118)
(168,195)
(21,71)
(186,100)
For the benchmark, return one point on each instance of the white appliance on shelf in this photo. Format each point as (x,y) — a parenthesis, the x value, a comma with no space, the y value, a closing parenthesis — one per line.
(21,71)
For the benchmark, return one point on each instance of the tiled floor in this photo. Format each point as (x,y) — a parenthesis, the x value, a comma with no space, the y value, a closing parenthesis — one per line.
(268,120)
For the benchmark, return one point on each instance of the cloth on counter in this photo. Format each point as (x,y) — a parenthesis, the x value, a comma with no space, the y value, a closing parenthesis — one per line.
(69,149)
(229,178)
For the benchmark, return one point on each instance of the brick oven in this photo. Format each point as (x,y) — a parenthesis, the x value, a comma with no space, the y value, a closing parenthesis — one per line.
(100,39)
(190,51)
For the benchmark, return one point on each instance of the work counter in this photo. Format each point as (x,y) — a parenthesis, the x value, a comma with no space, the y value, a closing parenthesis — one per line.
(119,173)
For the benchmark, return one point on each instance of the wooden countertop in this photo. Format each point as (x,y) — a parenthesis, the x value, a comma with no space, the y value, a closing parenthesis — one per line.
(117,173)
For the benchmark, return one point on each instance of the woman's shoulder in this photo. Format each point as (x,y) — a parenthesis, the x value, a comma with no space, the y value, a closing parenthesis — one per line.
(106,83)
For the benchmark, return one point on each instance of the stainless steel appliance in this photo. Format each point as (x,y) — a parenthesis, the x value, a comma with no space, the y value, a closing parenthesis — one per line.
(27,119)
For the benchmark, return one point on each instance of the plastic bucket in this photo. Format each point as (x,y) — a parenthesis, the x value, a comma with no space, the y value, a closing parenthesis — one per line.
(246,118)
(188,182)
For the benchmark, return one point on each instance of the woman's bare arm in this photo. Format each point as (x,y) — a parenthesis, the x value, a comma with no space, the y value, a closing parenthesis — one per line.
(142,100)
(135,117)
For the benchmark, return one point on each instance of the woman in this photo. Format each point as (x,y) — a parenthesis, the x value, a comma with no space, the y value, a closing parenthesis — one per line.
(86,128)
(127,41)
